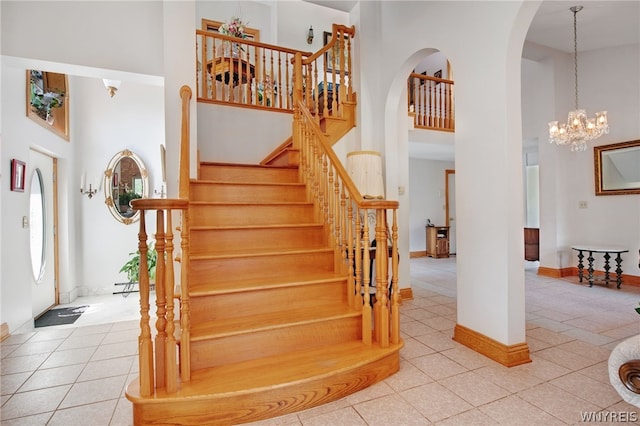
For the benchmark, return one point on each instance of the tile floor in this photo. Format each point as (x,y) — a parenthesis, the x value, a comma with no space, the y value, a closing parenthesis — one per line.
(76,375)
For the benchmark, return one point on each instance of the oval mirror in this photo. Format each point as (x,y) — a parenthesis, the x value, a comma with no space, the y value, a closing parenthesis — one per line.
(125,179)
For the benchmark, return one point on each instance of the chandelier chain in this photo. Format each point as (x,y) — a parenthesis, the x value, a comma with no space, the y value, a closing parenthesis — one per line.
(579,129)
(575,53)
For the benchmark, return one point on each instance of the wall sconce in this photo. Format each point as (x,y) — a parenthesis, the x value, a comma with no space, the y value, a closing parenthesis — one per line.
(310,35)
(111,85)
(88,192)
(365,169)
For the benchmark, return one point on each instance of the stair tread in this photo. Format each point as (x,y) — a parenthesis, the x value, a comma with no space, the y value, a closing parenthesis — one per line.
(252,203)
(270,320)
(259,252)
(269,372)
(236,183)
(264,283)
(245,227)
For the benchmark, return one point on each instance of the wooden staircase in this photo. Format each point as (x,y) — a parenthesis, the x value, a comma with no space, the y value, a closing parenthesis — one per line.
(272,330)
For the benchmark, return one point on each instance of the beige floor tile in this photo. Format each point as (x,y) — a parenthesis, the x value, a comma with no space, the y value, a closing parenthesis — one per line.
(588,336)
(435,402)
(122,336)
(86,341)
(467,357)
(20,364)
(34,420)
(408,377)
(439,341)
(415,328)
(474,389)
(468,418)
(515,411)
(439,323)
(5,350)
(557,402)
(10,383)
(70,357)
(115,350)
(548,336)
(96,414)
(52,377)
(17,339)
(390,410)
(438,366)
(33,402)
(513,379)
(94,391)
(39,347)
(588,389)
(107,368)
(374,391)
(322,409)
(587,350)
(565,358)
(413,349)
(51,334)
(599,372)
(345,417)
(544,369)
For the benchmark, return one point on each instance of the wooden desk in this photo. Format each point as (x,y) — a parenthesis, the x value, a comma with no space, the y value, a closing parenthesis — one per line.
(607,251)
(234,70)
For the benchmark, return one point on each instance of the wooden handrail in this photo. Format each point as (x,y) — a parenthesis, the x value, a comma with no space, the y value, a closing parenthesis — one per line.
(185,140)
(244,73)
(346,213)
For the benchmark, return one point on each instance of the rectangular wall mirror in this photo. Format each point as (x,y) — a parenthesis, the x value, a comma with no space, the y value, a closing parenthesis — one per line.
(617,168)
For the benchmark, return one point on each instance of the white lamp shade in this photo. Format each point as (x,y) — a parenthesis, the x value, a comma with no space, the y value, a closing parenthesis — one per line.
(365,170)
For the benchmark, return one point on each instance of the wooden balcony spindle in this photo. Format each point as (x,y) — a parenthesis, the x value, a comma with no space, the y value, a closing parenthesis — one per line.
(366,279)
(395,304)
(145,345)
(171,374)
(381,311)
(185,314)
(161,301)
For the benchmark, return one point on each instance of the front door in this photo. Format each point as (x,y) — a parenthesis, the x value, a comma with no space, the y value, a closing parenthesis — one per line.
(42,231)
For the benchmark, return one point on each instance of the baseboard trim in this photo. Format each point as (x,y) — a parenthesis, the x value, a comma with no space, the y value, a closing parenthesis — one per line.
(415,254)
(572,271)
(406,293)
(4,331)
(507,355)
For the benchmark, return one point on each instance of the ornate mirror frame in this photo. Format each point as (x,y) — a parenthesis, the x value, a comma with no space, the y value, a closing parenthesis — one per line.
(115,186)
(617,168)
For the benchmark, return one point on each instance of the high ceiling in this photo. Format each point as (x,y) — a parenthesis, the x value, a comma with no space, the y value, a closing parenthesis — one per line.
(600,24)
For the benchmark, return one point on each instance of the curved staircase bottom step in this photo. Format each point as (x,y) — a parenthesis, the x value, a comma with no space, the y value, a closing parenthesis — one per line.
(268,387)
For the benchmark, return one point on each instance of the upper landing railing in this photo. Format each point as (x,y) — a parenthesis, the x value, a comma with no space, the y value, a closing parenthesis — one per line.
(431,102)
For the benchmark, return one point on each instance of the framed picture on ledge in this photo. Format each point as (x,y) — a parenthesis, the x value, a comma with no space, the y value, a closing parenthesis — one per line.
(48,101)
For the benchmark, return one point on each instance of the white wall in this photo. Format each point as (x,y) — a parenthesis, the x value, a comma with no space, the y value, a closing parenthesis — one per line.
(99,34)
(567,178)
(133,119)
(99,127)
(427,185)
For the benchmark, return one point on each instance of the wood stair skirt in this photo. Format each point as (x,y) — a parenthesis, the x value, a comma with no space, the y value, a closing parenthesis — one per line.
(271,328)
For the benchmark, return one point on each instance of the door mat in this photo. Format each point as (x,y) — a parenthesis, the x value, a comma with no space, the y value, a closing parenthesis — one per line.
(60,316)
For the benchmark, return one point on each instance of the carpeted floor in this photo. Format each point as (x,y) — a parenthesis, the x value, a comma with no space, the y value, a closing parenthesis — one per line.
(60,316)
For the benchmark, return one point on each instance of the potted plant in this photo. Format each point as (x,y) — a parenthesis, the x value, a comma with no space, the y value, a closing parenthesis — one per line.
(132,266)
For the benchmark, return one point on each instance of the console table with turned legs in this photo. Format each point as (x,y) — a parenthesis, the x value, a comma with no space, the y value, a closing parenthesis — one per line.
(607,252)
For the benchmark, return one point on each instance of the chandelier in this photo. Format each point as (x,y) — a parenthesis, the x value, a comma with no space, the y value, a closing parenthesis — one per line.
(579,129)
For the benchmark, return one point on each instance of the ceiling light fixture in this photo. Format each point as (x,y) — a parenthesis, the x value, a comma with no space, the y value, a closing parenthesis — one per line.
(579,129)
(111,85)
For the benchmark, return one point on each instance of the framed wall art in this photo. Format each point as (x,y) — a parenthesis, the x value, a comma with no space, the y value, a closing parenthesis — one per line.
(18,172)
(334,53)
(48,101)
